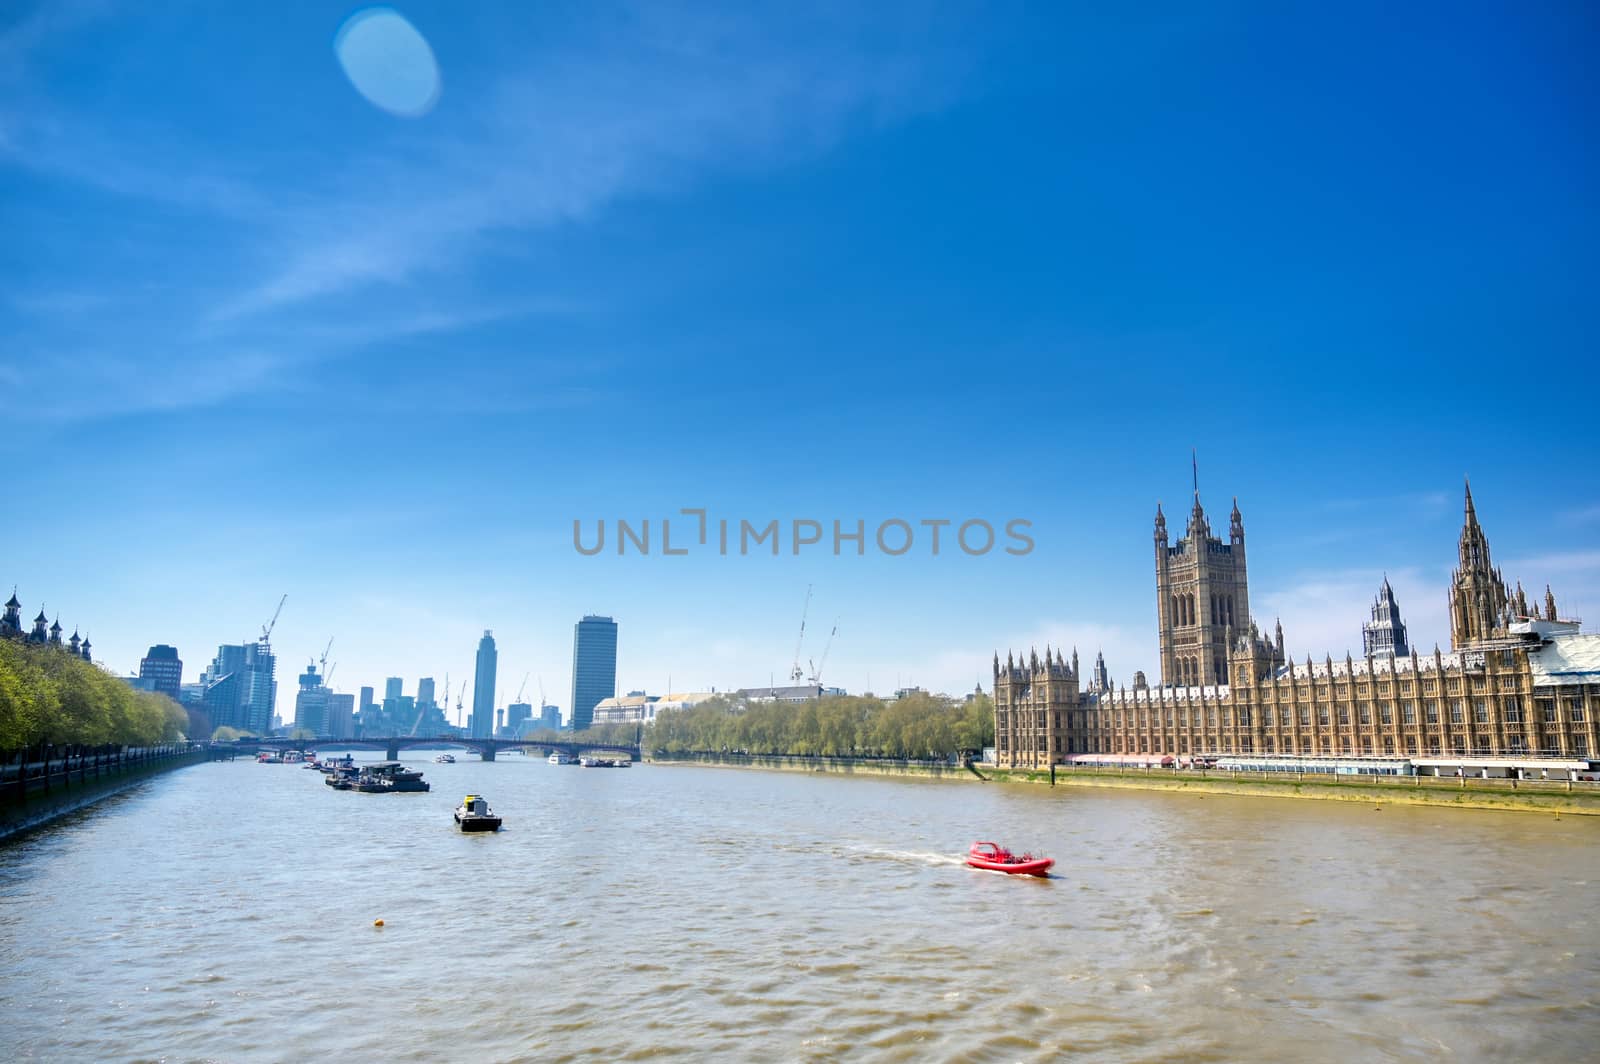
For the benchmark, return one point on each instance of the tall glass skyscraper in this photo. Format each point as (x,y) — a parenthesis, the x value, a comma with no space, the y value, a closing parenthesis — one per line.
(483,688)
(240,688)
(594,667)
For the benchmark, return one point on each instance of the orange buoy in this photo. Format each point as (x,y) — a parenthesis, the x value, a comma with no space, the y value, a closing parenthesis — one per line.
(377,923)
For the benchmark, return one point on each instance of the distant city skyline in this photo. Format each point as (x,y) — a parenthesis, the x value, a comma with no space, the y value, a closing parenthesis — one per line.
(271,331)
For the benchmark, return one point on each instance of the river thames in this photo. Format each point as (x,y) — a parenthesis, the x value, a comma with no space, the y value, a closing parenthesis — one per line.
(225,912)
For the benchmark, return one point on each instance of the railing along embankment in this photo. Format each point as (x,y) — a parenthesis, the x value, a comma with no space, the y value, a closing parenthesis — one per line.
(41,783)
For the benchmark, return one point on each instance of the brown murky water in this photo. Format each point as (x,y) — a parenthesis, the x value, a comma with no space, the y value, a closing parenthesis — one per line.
(225,912)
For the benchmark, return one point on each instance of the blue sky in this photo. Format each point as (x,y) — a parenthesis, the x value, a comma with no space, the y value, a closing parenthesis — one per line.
(260,336)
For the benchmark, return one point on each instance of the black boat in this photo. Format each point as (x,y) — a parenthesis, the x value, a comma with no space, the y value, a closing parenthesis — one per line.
(474,814)
(390,777)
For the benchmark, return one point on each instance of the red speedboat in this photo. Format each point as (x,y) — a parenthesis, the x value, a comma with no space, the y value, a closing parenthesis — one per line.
(997,858)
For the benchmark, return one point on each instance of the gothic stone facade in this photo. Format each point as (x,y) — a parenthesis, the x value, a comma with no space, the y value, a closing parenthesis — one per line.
(1516,682)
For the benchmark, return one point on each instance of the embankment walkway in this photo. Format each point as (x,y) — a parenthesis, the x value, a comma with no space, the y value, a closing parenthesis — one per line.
(1554,796)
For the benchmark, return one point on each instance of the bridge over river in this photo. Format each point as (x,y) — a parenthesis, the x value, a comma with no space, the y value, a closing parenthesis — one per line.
(392,745)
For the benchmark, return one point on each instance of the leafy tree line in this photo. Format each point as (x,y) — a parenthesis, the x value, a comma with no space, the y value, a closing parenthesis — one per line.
(49,696)
(917,726)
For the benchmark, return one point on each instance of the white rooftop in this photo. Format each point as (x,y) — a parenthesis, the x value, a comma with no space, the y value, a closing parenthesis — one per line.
(1566,660)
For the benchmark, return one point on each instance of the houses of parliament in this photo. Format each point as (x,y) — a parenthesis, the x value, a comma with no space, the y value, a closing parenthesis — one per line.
(1518,681)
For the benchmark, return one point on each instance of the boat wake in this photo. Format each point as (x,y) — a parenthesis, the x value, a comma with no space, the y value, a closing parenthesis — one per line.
(916,857)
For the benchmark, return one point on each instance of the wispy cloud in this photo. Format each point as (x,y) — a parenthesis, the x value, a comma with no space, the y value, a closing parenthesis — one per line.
(634,104)
(1427,502)
(1582,515)
(1126,649)
(85,385)
(556,144)
(1322,612)
(1560,563)
(48,18)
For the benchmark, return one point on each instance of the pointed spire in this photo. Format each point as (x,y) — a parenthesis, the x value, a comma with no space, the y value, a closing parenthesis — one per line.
(1472,515)
(1549,604)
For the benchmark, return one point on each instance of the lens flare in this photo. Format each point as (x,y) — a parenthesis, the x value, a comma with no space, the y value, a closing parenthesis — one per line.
(388,61)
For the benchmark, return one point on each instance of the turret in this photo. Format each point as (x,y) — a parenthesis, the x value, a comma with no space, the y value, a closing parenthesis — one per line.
(55,631)
(1235,523)
(1549,604)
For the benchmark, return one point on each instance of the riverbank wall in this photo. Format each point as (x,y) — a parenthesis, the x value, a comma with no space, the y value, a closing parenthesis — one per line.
(850,766)
(37,786)
(1503,794)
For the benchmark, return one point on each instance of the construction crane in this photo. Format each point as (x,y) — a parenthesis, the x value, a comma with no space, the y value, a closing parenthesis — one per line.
(324,660)
(523,688)
(459,696)
(795,675)
(816,670)
(266,629)
(328,675)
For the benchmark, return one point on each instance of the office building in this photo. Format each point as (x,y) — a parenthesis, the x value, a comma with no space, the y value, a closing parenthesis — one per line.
(483,688)
(341,709)
(311,704)
(636,707)
(241,688)
(163,666)
(518,716)
(594,667)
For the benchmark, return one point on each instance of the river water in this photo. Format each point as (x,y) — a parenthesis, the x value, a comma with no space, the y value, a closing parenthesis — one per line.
(226,912)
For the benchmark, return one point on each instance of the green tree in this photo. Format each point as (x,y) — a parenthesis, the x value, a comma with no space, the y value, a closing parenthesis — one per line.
(48,695)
